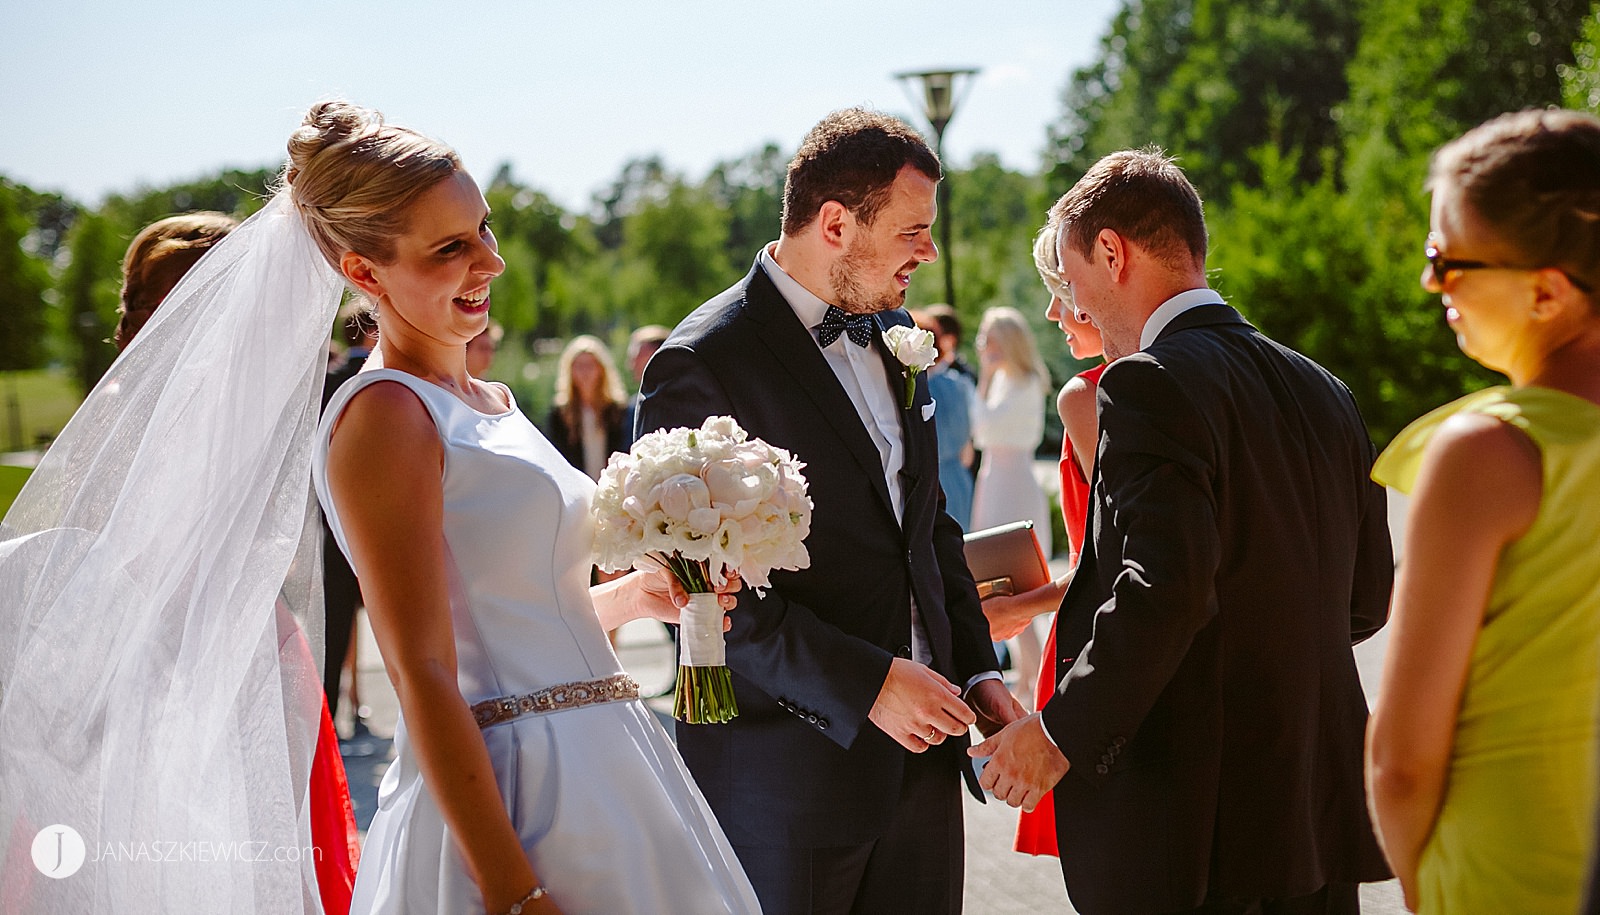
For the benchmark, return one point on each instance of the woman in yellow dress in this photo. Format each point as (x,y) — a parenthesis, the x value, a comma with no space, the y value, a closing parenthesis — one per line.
(1480,751)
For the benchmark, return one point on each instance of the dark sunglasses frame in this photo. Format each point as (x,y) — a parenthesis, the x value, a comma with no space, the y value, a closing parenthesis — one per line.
(1443,266)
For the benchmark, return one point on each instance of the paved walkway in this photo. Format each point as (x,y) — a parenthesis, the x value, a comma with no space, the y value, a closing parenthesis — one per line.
(999,880)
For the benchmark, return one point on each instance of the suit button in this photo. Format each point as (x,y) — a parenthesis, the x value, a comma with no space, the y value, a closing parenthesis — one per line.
(1102,768)
(1114,750)
(812,718)
(904,651)
(1107,759)
(822,724)
(1119,743)
(908,556)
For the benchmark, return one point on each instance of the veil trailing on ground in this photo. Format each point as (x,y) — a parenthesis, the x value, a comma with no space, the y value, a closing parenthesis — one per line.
(160,606)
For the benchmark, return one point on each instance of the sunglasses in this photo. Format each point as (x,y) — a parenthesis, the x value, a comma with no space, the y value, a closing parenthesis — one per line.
(1442,266)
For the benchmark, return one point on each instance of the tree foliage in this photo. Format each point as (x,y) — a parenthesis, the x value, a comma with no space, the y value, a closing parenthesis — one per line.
(24,280)
(1306,125)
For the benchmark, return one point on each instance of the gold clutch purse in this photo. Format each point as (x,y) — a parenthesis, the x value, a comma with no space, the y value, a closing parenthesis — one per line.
(1006,560)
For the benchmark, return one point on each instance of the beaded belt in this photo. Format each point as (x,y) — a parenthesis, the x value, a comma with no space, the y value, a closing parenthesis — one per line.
(615,688)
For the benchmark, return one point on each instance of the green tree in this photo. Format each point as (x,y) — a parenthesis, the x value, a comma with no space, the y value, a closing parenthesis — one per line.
(88,292)
(24,282)
(750,191)
(1580,81)
(1210,81)
(680,242)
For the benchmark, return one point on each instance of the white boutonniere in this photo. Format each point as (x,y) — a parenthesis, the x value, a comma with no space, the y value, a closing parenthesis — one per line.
(915,349)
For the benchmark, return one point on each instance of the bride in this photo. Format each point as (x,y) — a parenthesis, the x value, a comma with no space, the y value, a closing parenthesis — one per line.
(161,555)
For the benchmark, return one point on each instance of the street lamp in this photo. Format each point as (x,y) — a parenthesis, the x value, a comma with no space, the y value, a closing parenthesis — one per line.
(939,106)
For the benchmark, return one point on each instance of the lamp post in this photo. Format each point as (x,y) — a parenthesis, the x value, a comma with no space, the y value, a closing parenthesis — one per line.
(939,106)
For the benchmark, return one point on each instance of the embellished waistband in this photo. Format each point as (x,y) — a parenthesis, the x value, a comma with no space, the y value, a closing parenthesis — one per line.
(615,688)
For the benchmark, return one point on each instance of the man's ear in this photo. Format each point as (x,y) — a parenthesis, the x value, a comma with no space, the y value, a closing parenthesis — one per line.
(362,274)
(835,224)
(1111,249)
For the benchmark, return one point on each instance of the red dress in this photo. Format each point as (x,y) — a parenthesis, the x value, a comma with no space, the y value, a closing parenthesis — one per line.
(1036,831)
(333,822)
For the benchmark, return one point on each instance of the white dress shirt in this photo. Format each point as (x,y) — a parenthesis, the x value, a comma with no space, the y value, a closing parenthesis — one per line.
(863,375)
(1171,308)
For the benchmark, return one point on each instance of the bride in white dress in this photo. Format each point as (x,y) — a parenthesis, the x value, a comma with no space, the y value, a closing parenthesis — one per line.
(528,776)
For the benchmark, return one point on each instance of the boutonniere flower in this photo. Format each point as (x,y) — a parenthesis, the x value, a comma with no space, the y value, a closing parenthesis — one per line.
(915,349)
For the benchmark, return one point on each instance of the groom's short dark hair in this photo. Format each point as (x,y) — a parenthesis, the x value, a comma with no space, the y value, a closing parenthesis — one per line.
(851,156)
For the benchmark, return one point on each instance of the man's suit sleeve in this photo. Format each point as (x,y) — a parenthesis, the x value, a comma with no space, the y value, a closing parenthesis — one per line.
(1374,572)
(971,643)
(1156,465)
(779,645)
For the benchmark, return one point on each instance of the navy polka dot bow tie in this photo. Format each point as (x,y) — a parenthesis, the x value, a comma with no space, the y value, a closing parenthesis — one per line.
(859,328)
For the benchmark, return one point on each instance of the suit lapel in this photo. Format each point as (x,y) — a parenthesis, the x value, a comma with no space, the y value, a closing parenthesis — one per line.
(796,351)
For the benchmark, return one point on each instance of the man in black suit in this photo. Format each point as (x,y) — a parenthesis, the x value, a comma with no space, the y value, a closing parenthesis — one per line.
(341,592)
(857,679)
(1209,725)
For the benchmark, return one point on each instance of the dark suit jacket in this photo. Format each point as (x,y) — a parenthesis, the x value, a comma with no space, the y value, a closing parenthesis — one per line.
(570,441)
(1211,711)
(802,766)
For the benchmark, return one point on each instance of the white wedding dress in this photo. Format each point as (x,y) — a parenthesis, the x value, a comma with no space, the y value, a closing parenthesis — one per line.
(606,810)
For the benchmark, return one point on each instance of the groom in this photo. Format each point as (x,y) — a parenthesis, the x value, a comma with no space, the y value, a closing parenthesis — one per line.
(838,784)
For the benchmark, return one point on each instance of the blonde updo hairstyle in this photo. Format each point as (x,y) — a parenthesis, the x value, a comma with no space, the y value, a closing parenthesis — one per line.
(353,178)
(1047,260)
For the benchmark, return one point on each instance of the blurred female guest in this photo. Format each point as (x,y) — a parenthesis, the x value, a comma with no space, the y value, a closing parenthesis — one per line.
(157,258)
(585,421)
(1480,751)
(1036,828)
(528,776)
(1007,426)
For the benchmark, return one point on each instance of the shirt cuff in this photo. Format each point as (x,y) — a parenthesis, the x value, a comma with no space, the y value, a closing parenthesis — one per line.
(979,678)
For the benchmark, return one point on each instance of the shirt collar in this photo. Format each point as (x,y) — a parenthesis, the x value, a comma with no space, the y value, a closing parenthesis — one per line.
(807,307)
(1171,308)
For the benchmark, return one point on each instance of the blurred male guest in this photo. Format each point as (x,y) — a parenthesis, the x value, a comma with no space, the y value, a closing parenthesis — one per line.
(839,782)
(1209,724)
(642,344)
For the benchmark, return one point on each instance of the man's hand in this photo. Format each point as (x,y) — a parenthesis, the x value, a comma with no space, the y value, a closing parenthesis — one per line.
(919,708)
(994,705)
(1023,763)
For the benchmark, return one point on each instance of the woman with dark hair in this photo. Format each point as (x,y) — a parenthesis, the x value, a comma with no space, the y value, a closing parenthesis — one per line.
(1480,752)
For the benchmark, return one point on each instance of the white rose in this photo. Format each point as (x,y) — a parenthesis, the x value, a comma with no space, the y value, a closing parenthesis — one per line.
(912,346)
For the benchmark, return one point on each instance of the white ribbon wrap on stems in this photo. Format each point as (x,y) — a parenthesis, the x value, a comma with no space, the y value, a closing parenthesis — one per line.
(700,633)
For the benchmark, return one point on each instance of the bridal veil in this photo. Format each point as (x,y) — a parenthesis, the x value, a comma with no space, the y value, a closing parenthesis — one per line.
(160,606)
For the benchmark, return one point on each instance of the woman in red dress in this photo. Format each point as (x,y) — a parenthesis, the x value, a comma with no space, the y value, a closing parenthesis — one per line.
(1036,829)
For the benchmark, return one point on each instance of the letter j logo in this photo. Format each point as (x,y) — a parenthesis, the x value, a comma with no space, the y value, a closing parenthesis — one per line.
(58,851)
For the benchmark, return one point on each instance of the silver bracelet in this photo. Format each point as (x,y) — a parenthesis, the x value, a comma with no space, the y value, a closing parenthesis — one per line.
(538,892)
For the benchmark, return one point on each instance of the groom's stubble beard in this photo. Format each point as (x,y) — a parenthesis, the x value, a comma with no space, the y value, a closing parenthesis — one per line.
(852,295)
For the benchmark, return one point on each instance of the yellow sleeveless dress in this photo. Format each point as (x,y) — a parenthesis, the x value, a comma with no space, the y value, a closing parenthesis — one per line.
(1517,823)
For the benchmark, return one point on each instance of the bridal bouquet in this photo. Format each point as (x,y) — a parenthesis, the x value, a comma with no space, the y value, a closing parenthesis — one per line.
(701,502)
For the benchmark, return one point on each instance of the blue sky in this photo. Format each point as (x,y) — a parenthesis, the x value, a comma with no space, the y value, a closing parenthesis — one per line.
(103,96)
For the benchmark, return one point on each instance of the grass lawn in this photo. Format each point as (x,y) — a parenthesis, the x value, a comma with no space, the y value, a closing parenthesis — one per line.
(45,400)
